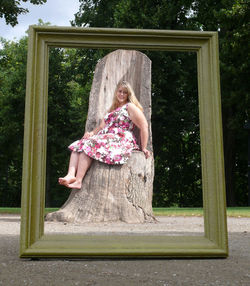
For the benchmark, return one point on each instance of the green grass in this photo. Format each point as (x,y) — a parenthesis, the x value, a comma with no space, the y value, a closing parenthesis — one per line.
(231,212)
(238,212)
(18,210)
(174,211)
(10,210)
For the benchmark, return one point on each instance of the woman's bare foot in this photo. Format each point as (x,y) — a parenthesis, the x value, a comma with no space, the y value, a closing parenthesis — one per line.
(68,179)
(75,185)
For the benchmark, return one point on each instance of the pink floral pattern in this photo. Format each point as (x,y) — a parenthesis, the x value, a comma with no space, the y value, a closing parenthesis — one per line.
(114,143)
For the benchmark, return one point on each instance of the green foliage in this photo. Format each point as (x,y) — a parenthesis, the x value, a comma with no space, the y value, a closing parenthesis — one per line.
(95,13)
(174,89)
(12,94)
(175,121)
(67,113)
(175,118)
(10,9)
(231,19)
(153,14)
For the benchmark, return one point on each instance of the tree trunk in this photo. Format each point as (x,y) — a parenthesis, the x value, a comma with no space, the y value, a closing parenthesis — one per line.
(115,192)
(112,193)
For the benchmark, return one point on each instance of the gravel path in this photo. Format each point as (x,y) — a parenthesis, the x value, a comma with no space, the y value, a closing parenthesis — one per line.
(233,271)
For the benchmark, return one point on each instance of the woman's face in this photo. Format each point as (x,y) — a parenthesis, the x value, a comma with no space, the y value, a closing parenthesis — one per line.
(122,95)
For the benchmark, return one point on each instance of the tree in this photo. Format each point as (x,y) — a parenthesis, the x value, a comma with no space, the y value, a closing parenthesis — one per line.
(175,120)
(230,19)
(67,113)
(121,192)
(12,93)
(174,95)
(67,110)
(10,9)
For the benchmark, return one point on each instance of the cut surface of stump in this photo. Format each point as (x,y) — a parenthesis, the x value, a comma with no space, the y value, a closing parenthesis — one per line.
(112,193)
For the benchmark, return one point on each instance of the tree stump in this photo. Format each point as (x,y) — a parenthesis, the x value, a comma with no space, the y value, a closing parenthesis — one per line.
(115,192)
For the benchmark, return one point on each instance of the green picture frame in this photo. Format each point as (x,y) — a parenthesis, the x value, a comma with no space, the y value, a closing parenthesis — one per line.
(33,242)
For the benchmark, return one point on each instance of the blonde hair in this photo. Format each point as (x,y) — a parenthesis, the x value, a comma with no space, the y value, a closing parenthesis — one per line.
(131,96)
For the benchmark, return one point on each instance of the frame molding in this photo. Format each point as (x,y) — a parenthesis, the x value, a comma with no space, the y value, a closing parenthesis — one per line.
(33,241)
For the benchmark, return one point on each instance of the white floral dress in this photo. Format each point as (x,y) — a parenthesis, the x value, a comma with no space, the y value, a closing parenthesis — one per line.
(114,143)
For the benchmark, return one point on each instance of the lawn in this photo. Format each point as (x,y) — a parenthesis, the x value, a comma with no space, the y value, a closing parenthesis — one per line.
(231,212)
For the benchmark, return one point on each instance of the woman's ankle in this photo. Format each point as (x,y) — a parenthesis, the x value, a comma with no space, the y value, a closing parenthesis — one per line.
(77,184)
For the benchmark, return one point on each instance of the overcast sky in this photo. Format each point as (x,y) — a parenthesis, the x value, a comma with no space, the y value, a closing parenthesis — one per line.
(57,12)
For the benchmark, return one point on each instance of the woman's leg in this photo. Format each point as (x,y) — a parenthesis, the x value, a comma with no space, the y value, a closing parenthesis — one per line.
(73,163)
(84,162)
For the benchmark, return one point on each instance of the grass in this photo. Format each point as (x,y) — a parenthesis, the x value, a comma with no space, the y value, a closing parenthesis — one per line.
(173,211)
(18,210)
(239,212)
(231,211)
(10,210)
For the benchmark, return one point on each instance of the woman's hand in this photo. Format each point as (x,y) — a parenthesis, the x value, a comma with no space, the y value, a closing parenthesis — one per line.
(88,135)
(95,131)
(146,153)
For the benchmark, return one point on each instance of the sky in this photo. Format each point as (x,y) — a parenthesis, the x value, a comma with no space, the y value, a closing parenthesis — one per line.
(57,12)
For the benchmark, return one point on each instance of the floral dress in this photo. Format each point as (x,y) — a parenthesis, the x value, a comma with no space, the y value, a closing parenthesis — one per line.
(114,143)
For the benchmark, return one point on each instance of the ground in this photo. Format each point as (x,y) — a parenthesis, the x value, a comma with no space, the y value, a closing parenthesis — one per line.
(232,271)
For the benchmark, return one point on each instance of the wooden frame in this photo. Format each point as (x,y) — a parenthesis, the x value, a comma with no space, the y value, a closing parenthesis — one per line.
(33,242)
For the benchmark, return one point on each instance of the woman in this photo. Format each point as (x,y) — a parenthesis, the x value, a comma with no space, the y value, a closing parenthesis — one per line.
(113,141)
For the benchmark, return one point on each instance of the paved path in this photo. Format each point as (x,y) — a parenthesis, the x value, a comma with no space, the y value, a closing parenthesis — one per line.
(233,271)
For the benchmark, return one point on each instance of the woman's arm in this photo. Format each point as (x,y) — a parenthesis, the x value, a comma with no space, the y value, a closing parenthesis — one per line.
(95,131)
(138,118)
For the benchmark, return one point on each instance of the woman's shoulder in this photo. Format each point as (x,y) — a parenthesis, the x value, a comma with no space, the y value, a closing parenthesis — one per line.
(133,108)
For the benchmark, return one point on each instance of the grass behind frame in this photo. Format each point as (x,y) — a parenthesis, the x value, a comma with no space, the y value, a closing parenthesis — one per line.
(172,211)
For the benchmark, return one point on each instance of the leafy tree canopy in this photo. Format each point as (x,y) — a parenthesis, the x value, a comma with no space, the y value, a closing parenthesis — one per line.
(11,9)
(175,118)
(170,94)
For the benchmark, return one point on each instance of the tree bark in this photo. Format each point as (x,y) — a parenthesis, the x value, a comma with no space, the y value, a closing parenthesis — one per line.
(112,193)
(115,192)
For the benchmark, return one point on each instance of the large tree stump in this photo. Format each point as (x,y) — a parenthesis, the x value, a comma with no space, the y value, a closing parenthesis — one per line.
(115,192)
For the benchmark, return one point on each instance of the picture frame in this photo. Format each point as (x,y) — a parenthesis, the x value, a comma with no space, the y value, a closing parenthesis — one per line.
(33,242)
